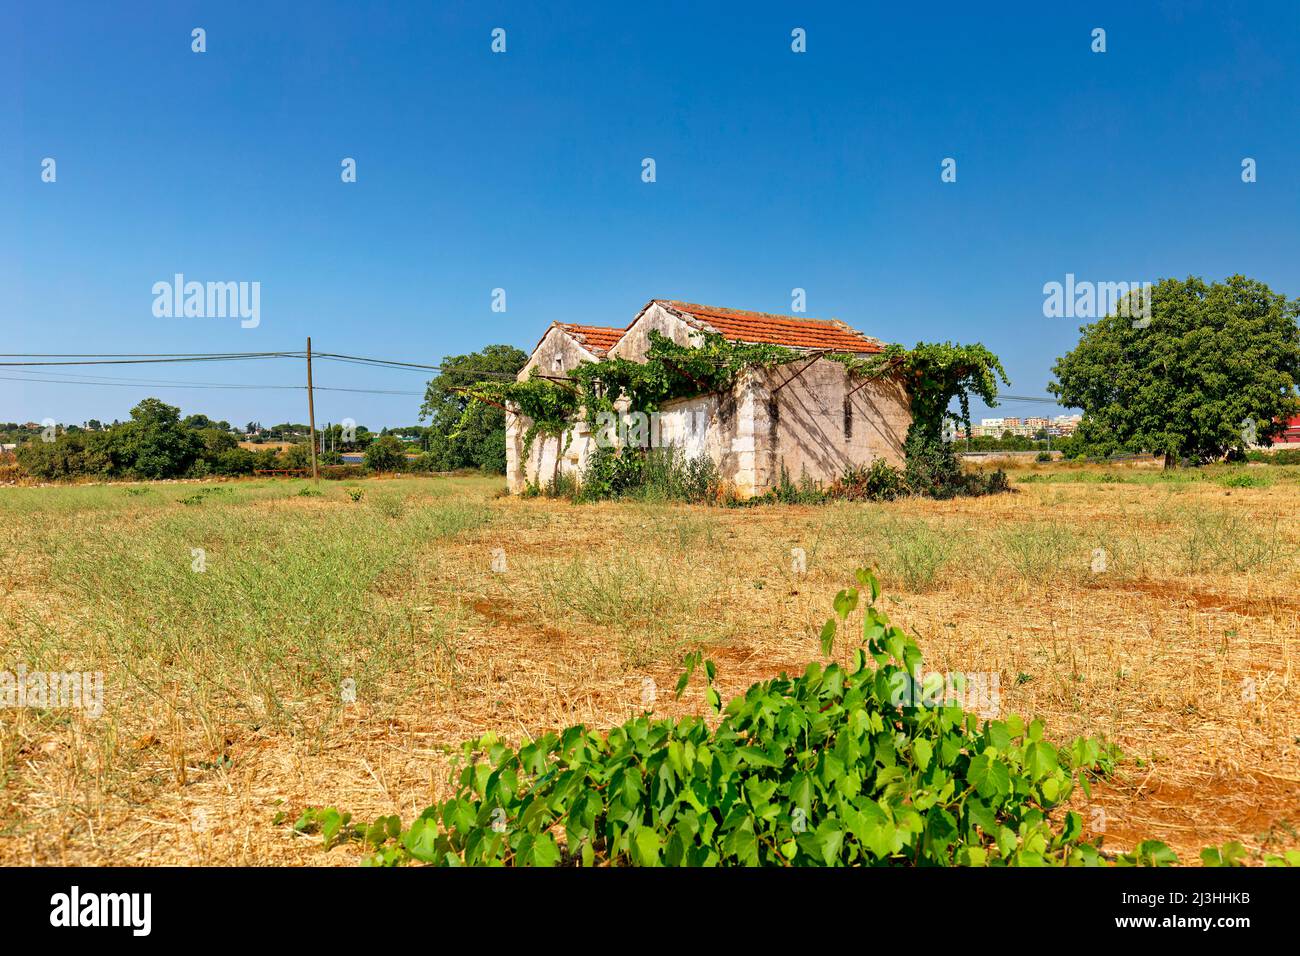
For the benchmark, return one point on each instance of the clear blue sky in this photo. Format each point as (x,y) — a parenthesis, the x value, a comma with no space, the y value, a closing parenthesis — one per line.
(523,171)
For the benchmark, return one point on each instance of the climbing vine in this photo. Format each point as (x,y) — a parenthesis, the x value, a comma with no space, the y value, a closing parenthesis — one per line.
(935,374)
(669,371)
(932,374)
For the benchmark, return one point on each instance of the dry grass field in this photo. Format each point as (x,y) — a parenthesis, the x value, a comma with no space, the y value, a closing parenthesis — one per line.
(226,669)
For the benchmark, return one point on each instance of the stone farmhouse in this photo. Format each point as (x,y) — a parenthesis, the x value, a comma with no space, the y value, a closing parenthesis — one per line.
(810,418)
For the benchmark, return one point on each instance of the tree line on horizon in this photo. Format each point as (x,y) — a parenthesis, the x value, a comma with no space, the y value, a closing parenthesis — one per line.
(1211,371)
(156,443)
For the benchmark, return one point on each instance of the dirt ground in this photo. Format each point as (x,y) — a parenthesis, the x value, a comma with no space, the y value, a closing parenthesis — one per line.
(1162,614)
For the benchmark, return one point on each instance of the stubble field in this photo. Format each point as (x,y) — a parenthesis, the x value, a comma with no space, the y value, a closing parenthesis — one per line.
(265,647)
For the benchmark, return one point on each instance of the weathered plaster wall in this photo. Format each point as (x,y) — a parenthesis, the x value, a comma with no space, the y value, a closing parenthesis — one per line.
(814,427)
(713,425)
(555,343)
(548,456)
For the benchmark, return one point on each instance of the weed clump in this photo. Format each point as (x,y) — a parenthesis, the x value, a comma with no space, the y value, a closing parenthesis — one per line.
(668,474)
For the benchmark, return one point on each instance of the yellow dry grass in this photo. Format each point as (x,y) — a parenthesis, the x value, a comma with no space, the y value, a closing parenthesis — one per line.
(1183,651)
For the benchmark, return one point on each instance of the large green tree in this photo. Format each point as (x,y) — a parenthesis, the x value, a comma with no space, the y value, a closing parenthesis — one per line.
(155,443)
(1213,366)
(477,439)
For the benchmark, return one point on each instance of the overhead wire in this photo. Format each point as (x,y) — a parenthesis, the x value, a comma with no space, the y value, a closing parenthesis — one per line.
(50,359)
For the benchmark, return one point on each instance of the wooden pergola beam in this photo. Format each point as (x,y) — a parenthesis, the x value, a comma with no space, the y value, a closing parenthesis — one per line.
(866,382)
(478,398)
(811,361)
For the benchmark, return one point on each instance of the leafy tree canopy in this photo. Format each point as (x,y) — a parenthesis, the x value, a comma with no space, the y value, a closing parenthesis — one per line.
(463,433)
(1215,366)
(154,443)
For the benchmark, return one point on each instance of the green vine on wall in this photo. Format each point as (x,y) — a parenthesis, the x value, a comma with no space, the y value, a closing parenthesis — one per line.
(669,371)
(932,374)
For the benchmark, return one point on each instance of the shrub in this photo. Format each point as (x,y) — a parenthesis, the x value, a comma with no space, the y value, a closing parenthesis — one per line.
(265,459)
(1043,457)
(234,461)
(994,483)
(563,485)
(1244,479)
(857,765)
(879,481)
(786,492)
(385,454)
(341,472)
(1282,456)
(932,470)
(70,455)
(10,470)
(295,456)
(656,474)
(611,473)
(667,474)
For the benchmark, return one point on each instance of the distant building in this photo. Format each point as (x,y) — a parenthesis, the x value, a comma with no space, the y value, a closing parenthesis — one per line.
(1030,427)
(1289,437)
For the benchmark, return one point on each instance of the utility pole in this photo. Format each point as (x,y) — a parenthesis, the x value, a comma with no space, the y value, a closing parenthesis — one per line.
(311,412)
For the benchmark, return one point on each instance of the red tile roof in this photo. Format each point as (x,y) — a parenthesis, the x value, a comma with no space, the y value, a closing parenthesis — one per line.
(741,325)
(596,339)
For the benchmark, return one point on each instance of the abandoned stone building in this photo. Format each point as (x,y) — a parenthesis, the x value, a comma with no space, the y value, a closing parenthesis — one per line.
(811,418)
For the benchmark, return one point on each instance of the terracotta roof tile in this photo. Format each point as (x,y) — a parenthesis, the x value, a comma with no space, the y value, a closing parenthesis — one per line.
(596,339)
(741,325)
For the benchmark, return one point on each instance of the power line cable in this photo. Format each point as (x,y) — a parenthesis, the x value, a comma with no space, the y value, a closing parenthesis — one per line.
(210,385)
(144,358)
(120,378)
(135,354)
(410,366)
(161,361)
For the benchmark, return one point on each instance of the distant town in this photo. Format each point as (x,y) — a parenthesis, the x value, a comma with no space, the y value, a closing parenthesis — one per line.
(1040,428)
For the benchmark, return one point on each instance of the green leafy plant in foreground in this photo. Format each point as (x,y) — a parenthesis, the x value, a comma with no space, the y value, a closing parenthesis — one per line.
(865,765)
(842,765)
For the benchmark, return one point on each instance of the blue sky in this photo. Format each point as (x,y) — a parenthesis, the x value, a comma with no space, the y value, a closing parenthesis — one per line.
(522,170)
